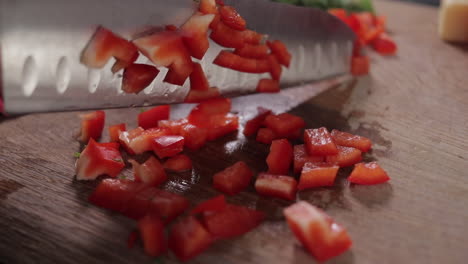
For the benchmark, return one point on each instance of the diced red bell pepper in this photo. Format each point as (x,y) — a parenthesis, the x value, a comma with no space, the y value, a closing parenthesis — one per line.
(368,174)
(188,238)
(295,135)
(174,126)
(98,159)
(317,232)
(338,12)
(198,81)
(231,18)
(251,37)
(215,21)
(115,194)
(313,175)
(221,125)
(384,45)
(233,179)
(152,233)
(233,61)
(266,135)
(171,27)
(232,221)
(151,172)
(92,125)
(201,114)
(163,203)
(195,137)
(126,137)
(268,86)
(349,140)
(253,51)
(179,72)
(208,7)
(319,142)
(360,65)
(150,118)
(280,157)
(284,125)
(280,186)
(178,163)
(144,141)
(103,45)
(137,77)
(120,64)
(168,146)
(195,96)
(254,124)
(301,157)
(194,34)
(346,156)
(115,130)
(226,36)
(132,238)
(275,68)
(281,52)
(214,204)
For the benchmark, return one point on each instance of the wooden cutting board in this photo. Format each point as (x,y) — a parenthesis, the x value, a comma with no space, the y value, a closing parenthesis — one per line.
(413,106)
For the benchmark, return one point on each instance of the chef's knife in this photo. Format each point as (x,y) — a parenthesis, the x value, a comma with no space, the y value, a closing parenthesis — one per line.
(41,42)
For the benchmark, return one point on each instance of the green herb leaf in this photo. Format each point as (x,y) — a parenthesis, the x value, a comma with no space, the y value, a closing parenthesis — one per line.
(76,154)
(122,177)
(142,110)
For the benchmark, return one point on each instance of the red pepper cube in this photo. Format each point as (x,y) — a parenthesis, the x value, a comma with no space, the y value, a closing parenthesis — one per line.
(360,65)
(266,135)
(139,204)
(150,118)
(152,234)
(226,36)
(208,7)
(301,157)
(279,186)
(254,124)
(178,163)
(151,172)
(198,81)
(168,205)
(231,18)
(168,146)
(384,45)
(316,231)
(221,125)
(196,96)
(144,141)
(317,176)
(214,204)
(275,68)
(132,239)
(115,130)
(284,124)
(267,86)
(99,159)
(346,157)
(188,238)
(319,142)
(195,137)
(251,37)
(235,62)
(349,140)
(194,34)
(233,179)
(174,126)
(368,174)
(280,157)
(202,113)
(253,51)
(92,125)
(126,138)
(280,51)
(137,77)
(231,222)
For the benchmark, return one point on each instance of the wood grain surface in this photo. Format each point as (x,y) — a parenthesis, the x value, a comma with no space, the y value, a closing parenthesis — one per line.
(414,107)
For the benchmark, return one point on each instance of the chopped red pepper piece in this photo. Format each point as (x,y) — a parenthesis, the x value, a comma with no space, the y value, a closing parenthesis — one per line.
(195,137)
(284,125)
(360,65)
(214,204)
(174,126)
(143,141)
(171,27)
(208,7)
(92,125)
(178,163)
(254,124)
(115,130)
(132,238)
(253,51)
(233,179)
(301,157)
(202,113)
(280,186)
(152,233)
(198,79)
(137,77)
(317,232)
(231,18)
(188,238)
(150,118)
(275,68)
(266,135)
(319,142)
(168,146)
(194,34)
(368,174)
(251,37)
(349,140)
(268,86)
(221,125)
(232,221)
(126,138)
(313,175)
(151,172)
(346,156)
(280,157)
(384,45)
(195,96)
(281,52)
(226,36)
(98,159)
(233,61)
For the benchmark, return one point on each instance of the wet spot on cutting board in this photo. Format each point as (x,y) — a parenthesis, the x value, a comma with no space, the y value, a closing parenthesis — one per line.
(8,187)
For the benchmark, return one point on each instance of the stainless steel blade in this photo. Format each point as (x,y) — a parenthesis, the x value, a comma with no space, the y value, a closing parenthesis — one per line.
(41,42)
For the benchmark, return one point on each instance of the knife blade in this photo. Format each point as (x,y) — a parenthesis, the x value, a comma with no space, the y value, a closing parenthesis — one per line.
(41,41)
